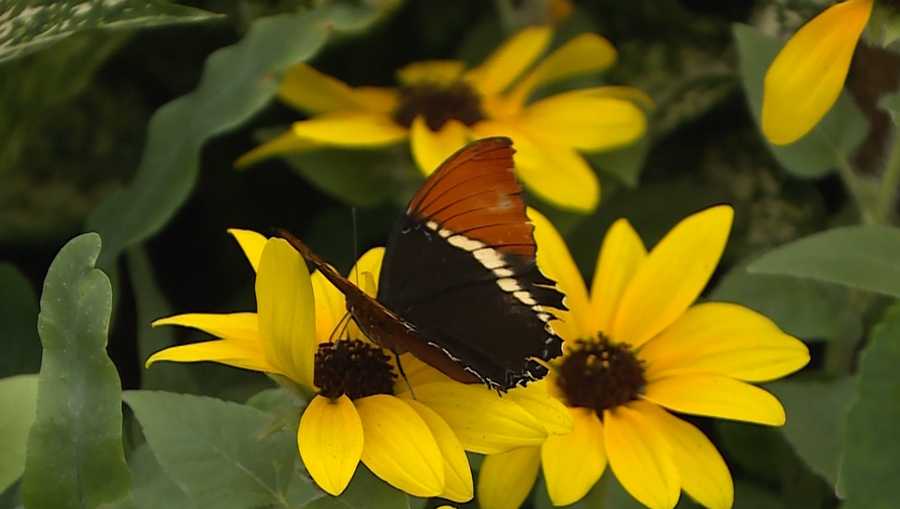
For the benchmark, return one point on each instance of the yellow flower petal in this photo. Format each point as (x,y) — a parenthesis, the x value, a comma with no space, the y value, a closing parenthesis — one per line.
(808,74)
(620,256)
(241,327)
(240,354)
(418,373)
(437,72)
(640,456)
(457,473)
(350,129)
(631,94)
(537,401)
(583,54)
(369,263)
(286,311)
(574,462)
(716,396)
(508,61)
(704,475)
(556,262)
(484,422)
(399,447)
(585,122)
(505,479)
(553,172)
(376,99)
(330,307)
(430,148)
(313,92)
(723,339)
(251,243)
(330,439)
(672,276)
(284,144)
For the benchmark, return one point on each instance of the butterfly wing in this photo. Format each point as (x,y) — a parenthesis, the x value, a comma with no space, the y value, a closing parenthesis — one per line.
(460,267)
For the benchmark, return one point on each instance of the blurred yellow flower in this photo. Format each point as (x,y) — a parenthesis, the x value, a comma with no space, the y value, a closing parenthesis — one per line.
(361,410)
(440,106)
(807,76)
(636,349)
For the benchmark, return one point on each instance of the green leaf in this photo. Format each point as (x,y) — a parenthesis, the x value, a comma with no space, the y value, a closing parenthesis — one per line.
(750,496)
(807,309)
(18,397)
(18,324)
(835,137)
(152,305)
(152,487)
(816,417)
(361,178)
(869,470)
(33,24)
(364,492)
(75,455)
(865,257)
(221,454)
(625,163)
(237,82)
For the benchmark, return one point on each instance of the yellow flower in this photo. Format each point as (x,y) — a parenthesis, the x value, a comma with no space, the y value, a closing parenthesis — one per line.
(440,106)
(636,349)
(361,410)
(807,76)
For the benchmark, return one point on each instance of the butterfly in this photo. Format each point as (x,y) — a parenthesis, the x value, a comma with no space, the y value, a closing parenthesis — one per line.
(459,286)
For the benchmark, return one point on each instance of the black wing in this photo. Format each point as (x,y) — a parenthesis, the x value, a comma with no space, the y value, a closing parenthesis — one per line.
(460,267)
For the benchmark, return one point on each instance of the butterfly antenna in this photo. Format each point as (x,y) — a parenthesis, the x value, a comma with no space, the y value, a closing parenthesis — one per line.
(355,244)
(403,373)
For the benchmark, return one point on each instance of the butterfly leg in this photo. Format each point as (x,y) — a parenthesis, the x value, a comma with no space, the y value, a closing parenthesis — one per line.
(403,373)
(340,328)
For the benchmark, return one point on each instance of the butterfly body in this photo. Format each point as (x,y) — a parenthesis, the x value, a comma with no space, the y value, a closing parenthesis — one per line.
(459,286)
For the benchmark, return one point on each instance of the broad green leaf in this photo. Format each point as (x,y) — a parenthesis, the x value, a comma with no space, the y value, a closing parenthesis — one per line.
(152,305)
(865,257)
(625,163)
(834,139)
(237,82)
(748,495)
(18,324)
(869,470)
(221,454)
(75,455)
(18,396)
(816,417)
(361,178)
(152,488)
(807,309)
(27,26)
(364,492)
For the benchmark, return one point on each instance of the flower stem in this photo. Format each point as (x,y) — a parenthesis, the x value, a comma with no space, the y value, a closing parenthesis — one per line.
(858,188)
(890,184)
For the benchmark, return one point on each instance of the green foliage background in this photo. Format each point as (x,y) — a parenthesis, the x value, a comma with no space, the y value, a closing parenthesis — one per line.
(128,125)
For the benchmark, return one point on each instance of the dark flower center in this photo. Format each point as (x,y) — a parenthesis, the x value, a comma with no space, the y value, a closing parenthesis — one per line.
(600,374)
(437,104)
(354,368)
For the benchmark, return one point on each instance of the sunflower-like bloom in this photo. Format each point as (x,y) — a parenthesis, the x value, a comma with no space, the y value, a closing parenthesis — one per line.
(807,76)
(440,106)
(636,350)
(361,411)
